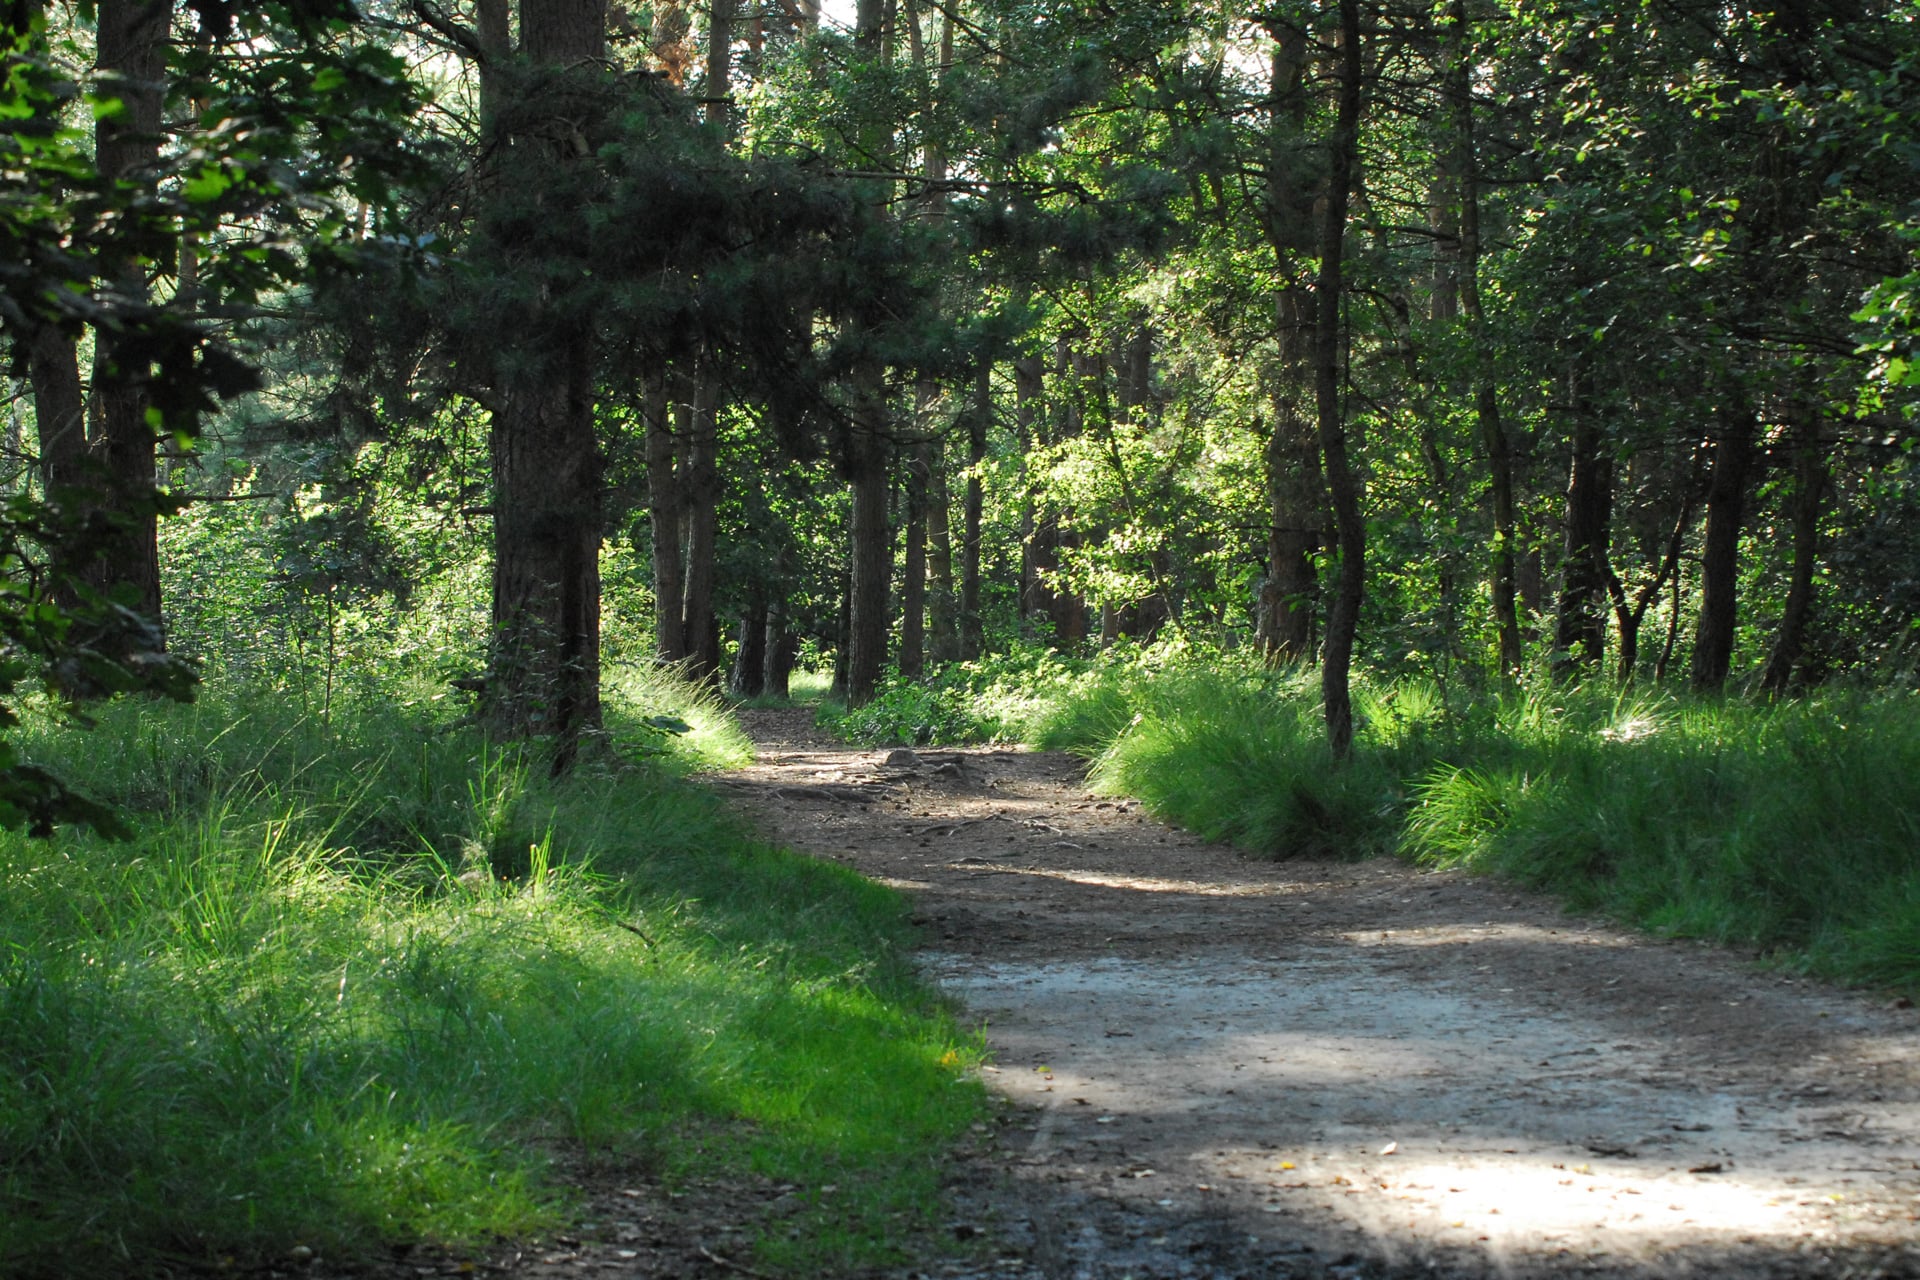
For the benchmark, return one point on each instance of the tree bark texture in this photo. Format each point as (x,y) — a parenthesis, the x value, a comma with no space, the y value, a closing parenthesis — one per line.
(547,470)
(1720,550)
(132,62)
(1343,483)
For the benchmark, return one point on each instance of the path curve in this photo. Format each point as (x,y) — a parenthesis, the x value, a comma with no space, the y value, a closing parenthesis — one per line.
(1229,1067)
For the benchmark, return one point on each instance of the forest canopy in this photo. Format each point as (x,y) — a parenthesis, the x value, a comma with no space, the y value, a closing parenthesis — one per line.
(1473,341)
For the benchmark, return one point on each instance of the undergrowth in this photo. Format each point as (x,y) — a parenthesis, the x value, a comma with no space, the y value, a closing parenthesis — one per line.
(359,981)
(1792,827)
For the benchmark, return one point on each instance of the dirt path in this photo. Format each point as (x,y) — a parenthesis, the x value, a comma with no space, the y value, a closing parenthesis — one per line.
(1237,1068)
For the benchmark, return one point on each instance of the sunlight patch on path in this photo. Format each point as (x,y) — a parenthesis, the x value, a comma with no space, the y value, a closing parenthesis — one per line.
(1336,1095)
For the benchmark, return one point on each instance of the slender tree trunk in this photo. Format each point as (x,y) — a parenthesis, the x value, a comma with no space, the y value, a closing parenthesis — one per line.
(1028,375)
(1343,483)
(1486,401)
(132,61)
(1809,486)
(749,678)
(1580,628)
(1719,553)
(1664,662)
(1629,618)
(666,502)
(942,598)
(972,637)
(1297,506)
(842,653)
(1296,492)
(719,61)
(698,623)
(913,579)
(547,469)
(872,543)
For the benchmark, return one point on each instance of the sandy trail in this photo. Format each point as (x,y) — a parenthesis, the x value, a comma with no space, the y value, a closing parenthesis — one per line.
(1239,1068)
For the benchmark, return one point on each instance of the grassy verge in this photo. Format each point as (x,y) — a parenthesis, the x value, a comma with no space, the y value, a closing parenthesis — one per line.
(1792,827)
(351,981)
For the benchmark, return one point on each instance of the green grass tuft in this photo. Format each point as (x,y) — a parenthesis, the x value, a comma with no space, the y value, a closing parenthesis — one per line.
(354,982)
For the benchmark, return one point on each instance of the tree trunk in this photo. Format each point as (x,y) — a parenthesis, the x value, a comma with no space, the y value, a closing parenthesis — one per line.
(1719,553)
(1343,484)
(666,503)
(59,409)
(780,651)
(545,676)
(698,623)
(1580,625)
(132,60)
(1628,618)
(1809,486)
(872,544)
(1486,401)
(749,677)
(972,636)
(942,598)
(1296,500)
(719,61)
(1296,492)
(913,576)
(545,673)
(1028,382)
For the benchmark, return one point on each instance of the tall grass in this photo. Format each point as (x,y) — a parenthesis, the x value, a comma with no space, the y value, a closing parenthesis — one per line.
(359,981)
(1793,827)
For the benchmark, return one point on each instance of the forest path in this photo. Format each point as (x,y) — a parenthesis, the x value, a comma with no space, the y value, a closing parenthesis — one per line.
(1229,1067)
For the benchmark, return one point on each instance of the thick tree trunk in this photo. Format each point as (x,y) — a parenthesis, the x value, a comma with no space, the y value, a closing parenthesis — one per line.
(132,60)
(1809,486)
(666,503)
(972,638)
(1719,553)
(545,672)
(781,649)
(545,676)
(1343,483)
(1580,625)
